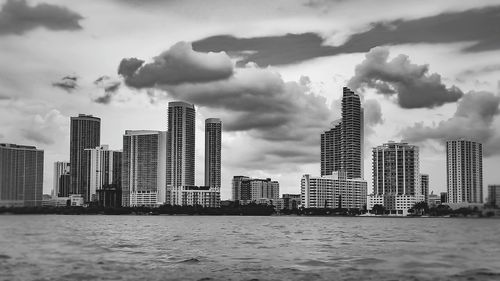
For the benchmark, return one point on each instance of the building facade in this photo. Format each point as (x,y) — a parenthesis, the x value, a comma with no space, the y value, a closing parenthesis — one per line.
(61,184)
(289,202)
(144,168)
(494,196)
(181,144)
(424,186)
(236,187)
(104,169)
(396,177)
(204,196)
(464,173)
(333,191)
(21,175)
(248,190)
(342,145)
(85,132)
(213,138)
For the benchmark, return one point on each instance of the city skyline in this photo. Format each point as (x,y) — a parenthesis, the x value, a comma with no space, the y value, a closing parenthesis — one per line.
(276,87)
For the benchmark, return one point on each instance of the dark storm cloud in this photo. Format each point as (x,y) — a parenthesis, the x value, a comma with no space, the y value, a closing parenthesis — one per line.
(67,83)
(412,84)
(180,64)
(479,26)
(110,87)
(16,17)
(473,119)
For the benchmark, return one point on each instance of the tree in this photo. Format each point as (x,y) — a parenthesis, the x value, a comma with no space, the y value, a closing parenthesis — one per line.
(421,207)
(378,209)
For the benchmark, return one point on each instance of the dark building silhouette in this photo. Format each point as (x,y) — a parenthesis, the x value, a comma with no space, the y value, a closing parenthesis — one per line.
(110,195)
(213,138)
(342,145)
(21,175)
(85,133)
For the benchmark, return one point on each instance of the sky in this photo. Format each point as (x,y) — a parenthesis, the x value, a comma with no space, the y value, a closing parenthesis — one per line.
(273,71)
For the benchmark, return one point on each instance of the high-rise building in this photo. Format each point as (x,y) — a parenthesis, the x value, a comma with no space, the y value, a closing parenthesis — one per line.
(61,184)
(352,134)
(213,137)
(181,144)
(331,141)
(396,177)
(255,190)
(21,175)
(396,169)
(236,186)
(342,145)
(104,169)
(85,133)
(333,191)
(494,196)
(424,186)
(444,197)
(464,173)
(144,168)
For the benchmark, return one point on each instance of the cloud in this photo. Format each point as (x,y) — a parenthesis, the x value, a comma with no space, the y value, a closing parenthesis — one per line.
(372,112)
(478,71)
(67,83)
(16,17)
(477,26)
(180,64)
(412,84)
(110,87)
(44,129)
(473,119)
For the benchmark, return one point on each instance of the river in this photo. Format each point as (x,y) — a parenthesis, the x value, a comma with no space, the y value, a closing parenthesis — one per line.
(59,247)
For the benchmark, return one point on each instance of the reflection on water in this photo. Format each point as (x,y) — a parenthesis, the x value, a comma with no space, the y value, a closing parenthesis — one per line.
(56,247)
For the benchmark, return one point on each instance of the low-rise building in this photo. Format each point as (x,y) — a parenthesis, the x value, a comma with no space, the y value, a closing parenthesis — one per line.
(333,191)
(204,196)
(394,204)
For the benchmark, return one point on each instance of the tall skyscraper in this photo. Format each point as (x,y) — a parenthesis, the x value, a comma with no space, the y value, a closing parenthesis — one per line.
(342,145)
(21,175)
(181,144)
(144,168)
(104,169)
(464,161)
(61,184)
(85,133)
(213,137)
(352,134)
(331,149)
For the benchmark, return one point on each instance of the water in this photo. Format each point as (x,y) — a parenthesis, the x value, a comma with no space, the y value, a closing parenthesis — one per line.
(56,247)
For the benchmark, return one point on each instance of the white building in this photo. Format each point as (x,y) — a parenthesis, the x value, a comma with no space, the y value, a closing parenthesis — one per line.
(204,196)
(104,168)
(248,190)
(464,161)
(334,191)
(396,178)
(144,168)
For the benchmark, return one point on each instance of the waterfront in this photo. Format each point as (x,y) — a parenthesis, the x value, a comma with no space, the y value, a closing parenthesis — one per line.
(54,247)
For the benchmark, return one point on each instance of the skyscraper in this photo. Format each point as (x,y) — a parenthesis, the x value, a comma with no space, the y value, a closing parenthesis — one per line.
(61,185)
(464,161)
(342,145)
(21,175)
(181,144)
(85,133)
(104,169)
(213,136)
(144,168)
